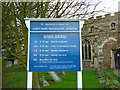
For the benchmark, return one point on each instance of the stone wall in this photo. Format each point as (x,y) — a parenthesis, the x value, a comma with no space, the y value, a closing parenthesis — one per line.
(107,38)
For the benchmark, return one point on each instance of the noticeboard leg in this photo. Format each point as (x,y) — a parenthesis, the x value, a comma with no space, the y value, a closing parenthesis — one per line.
(29,81)
(79,80)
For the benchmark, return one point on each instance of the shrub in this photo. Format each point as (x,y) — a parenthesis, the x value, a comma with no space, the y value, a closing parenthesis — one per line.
(106,80)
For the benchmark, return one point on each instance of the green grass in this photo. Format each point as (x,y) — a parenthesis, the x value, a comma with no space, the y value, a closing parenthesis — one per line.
(18,79)
(16,67)
(112,75)
(90,79)
(14,79)
(68,81)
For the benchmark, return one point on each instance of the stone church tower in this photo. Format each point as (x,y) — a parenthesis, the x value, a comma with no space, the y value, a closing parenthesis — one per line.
(100,42)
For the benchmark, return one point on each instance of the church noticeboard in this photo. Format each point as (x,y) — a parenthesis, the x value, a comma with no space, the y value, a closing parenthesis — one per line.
(54,46)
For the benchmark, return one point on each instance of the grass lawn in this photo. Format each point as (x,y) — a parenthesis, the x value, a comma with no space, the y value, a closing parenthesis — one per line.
(68,81)
(15,77)
(112,75)
(90,79)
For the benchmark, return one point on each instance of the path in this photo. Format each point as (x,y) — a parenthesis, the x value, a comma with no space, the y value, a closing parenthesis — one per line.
(117,72)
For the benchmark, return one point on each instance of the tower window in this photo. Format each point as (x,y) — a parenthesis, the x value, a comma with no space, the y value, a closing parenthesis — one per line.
(112,26)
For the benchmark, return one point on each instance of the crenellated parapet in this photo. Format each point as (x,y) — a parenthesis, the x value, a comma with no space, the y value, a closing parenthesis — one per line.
(103,19)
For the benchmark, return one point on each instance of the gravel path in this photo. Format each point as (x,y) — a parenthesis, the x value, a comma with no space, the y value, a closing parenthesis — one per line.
(117,72)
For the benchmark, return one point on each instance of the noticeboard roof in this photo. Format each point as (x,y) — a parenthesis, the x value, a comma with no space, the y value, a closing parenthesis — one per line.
(52,19)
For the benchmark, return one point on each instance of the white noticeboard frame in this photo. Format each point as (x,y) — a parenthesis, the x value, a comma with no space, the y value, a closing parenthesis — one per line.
(29,74)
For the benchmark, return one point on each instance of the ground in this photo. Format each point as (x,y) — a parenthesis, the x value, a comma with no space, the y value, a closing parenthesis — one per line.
(117,72)
(15,77)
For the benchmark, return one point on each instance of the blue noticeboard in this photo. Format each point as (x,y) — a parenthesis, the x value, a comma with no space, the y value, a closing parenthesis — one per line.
(54,51)
(54,26)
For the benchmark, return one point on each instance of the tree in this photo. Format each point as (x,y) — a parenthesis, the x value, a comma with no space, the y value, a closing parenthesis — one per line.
(14,29)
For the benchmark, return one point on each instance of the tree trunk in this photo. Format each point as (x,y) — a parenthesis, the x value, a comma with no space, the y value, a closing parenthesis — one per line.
(35,81)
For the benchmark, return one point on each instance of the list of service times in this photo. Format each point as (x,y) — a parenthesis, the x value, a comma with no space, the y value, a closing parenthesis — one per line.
(54,50)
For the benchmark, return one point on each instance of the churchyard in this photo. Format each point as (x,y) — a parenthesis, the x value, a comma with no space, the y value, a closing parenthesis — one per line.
(16,77)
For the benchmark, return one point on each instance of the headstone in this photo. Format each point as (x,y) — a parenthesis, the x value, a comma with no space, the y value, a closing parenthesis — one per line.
(15,62)
(64,73)
(9,64)
(55,77)
(44,82)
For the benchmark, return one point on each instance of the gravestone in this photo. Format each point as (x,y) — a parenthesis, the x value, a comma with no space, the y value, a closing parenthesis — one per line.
(15,62)
(44,82)
(64,73)
(9,64)
(55,77)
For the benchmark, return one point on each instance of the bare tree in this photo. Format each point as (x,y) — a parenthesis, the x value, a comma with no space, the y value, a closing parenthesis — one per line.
(14,30)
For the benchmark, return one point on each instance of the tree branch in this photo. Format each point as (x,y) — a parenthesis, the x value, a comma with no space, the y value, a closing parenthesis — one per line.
(3,43)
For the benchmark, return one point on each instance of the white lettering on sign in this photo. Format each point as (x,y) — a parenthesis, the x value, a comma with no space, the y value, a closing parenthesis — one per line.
(40,66)
(59,41)
(54,36)
(34,54)
(35,41)
(44,55)
(62,50)
(58,54)
(54,24)
(63,46)
(35,50)
(48,28)
(43,50)
(71,28)
(35,46)
(34,59)
(44,46)
(45,59)
(44,41)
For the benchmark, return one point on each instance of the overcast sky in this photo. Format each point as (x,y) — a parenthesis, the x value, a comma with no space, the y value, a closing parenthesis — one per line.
(110,5)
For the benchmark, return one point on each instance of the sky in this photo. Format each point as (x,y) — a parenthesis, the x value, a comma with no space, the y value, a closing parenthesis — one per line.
(110,6)
(107,6)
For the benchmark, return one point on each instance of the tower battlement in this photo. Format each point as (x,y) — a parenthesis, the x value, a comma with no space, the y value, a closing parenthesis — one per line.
(105,18)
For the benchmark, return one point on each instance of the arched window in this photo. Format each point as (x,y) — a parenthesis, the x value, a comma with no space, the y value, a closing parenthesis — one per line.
(112,26)
(86,50)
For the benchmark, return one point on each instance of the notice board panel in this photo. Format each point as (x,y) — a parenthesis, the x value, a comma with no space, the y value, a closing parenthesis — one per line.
(54,26)
(54,46)
(54,52)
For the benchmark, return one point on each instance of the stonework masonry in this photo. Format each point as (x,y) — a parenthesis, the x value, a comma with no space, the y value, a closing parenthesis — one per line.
(104,31)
